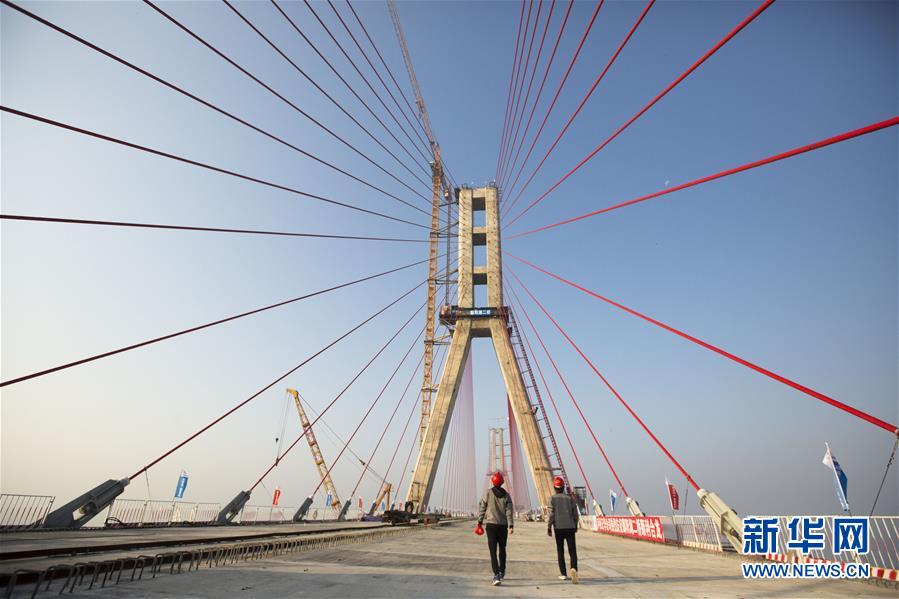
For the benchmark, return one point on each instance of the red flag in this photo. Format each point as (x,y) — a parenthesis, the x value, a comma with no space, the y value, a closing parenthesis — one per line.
(673,497)
(360,503)
(277,496)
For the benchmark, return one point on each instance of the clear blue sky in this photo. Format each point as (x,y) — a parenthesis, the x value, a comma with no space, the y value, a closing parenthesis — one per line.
(793,266)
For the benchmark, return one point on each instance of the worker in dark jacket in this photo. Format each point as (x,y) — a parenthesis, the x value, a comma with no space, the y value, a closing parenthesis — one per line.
(564,516)
(495,510)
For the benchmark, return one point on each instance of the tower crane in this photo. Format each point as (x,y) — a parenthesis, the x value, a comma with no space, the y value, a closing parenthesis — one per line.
(438,184)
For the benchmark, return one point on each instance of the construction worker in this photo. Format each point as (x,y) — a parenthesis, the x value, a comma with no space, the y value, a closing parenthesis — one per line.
(564,516)
(495,510)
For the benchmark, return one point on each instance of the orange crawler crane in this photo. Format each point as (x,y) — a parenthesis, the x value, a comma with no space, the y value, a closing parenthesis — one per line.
(317,458)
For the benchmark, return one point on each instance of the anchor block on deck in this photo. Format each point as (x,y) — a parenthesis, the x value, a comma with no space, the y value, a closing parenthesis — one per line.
(230,511)
(633,507)
(724,517)
(304,509)
(344,510)
(81,510)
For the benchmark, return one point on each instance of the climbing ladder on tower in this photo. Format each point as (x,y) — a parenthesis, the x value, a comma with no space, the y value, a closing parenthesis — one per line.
(533,394)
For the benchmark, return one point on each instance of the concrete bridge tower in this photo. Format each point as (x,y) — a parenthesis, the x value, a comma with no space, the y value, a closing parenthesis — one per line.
(468,321)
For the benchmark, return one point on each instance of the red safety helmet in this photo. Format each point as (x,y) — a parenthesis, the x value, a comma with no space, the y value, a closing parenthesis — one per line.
(558,483)
(497,479)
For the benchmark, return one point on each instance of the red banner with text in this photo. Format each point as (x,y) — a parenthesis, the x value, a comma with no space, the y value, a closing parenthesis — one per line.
(648,528)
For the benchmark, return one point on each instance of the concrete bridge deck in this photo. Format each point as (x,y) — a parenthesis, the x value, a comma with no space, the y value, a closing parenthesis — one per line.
(27,544)
(450,561)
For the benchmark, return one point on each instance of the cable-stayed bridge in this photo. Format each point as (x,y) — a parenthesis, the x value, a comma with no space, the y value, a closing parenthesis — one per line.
(392,422)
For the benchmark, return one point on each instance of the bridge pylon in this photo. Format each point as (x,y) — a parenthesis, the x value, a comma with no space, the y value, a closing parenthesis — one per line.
(467,321)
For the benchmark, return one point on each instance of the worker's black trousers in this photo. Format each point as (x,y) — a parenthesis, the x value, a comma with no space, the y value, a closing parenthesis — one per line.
(497,535)
(563,536)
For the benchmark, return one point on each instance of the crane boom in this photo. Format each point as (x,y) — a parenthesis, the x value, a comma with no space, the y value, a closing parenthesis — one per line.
(316,451)
(419,101)
(384,496)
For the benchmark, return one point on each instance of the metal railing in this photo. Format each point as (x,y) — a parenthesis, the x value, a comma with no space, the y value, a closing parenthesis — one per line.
(322,513)
(701,532)
(23,511)
(259,514)
(143,512)
(883,543)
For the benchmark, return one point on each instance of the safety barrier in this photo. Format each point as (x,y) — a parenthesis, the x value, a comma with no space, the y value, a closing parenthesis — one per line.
(101,573)
(698,532)
(883,545)
(143,512)
(319,513)
(23,511)
(259,514)
(701,532)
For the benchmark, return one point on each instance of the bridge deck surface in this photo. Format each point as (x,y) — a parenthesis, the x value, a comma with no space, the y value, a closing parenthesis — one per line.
(452,562)
(14,544)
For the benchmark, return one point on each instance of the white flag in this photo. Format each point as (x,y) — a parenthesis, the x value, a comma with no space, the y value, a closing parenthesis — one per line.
(841,482)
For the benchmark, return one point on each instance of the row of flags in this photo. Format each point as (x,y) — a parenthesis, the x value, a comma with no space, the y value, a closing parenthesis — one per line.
(673,497)
(841,485)
(181,488)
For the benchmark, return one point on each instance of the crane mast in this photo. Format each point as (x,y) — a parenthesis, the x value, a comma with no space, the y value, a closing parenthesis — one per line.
(437,180)
(316,451)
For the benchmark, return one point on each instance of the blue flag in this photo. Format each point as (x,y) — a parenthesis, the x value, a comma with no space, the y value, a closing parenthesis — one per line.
(839,478)
(328,500)
(182,485)
(613,497)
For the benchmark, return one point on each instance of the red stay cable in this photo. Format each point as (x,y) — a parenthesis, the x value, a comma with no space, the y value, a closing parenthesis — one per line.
(777,377)
(406,464)
(281,97)
(550,394)
(405,427)
(731,171)
(752,16)
(200,327)
(549,63)
(389,71)
(337,397)
(118,223)
(609,385)
(524,71)
(194,97)
(552,104)
(509,91)
(589,93)
(399,443)
(527,95)
(274,382)
(414,443)
(389,420)
(203,165)
(426,154)
(418,134)
(352,90)
(571,396)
